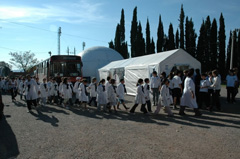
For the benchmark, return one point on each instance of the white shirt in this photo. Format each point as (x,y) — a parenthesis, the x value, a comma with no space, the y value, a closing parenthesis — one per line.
(176,81)
(155,82)
(93,89)
(120,91)
(216,83)
(204,83)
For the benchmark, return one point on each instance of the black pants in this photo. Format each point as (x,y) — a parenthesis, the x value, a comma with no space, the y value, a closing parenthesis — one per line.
(210,96)
(13,93)
(94,100)
(216,101)
(230,92)
(30,102)
(149,105)
(143,109)
(203,98)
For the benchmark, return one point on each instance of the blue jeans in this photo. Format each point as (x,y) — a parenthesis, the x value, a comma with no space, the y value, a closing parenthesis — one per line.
(155,95)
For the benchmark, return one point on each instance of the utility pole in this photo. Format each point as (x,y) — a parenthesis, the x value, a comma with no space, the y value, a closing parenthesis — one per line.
(68,50)
(59,34)
(74,51)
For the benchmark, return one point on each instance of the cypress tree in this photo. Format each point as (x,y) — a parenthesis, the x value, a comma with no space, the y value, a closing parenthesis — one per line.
(200,54)
(192,38)
(177,39)
(133,33)
(181,27)
(152,47)
(187,34)
(213,45)
(111,44)
(238,50)
(160,36)
(140,43)
(122,27)
(235,51)
(171,44)
(229,52)
(117,41)
(207,42)
(222,46)
(165,43)
(148,39)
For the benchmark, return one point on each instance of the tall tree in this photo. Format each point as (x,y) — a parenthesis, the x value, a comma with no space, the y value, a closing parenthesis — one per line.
(181,27)
(200,54)
(235,51)
(165,43)
(148,39)
(192,38)
(238,51)
(213,45)
(122,27)
(134,31)
(229,51)
(152,47)
(160,36)
(187,34)
(140,43)
(111,44)
(177,39)
(207,42)
(222,46)
(117,40)
(171,44)
(23,60)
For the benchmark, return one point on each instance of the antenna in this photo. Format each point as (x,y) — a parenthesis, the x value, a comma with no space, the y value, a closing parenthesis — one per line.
(59,34)
(83,45)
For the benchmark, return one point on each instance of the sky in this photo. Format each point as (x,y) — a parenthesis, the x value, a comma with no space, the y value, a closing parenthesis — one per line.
(32,25)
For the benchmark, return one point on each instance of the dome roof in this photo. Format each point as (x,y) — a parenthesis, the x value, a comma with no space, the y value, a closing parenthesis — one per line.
(97,57)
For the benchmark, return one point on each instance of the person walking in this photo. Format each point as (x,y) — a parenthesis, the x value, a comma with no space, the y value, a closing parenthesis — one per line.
(93,92)
(101,96)
(121,91)
(155,84)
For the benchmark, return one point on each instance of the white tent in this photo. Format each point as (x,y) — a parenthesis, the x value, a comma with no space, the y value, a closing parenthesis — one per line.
(142,67)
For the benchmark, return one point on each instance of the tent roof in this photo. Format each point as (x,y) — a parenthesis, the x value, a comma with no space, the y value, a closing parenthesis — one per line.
(142,60)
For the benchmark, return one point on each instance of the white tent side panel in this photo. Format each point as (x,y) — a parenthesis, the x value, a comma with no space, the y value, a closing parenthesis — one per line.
(132,74)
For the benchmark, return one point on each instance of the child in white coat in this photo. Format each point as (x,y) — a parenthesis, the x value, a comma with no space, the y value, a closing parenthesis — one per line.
(76,91)
(121,90)
(147,94)
(83,95)
(140,98)
(112,95)
(44,92)
(165,98)
(66,92)
(101,95)
(54,91)
(93,92)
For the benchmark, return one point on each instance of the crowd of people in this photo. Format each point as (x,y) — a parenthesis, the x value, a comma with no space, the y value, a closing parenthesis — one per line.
(185,89)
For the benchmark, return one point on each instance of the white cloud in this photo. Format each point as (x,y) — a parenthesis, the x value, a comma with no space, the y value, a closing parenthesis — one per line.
(77,12)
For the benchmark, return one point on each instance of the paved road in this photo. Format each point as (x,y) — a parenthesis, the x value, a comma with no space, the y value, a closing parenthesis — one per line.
(54,132)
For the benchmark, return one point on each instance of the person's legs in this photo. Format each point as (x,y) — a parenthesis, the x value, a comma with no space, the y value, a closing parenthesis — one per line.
(29,105)
(158,108)
(228,94)
(154,96)
(149,106)
(168,110)
(181,110)
(133,108)
(143,108)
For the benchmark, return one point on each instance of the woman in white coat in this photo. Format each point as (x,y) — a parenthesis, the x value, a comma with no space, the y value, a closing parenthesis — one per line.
(189,98)
(44,89)
(101,95)
(112,99)
(93,92)
(76,90)
(21,88)
(32,91)
(66,92)
(83,95)
(140,98)
(165,98)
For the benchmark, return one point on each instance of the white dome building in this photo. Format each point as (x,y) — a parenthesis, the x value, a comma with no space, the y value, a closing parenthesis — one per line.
(95,58)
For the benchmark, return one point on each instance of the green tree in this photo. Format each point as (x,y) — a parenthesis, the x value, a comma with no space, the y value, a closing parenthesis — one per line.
(207,42)
(187,35)
(181,27)
(171,44)
(23,60)
(111,45)
(213,45)
(148,39)
(229,51)
(117,40)
(192,39)
(140,43)
(134,31)
(177,39)
(160,36)
(152,49)
(222,46)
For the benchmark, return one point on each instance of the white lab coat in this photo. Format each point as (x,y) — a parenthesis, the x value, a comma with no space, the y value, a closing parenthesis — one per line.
(76,90)
(21,87)
(165,98)
(120,91)
(140,97)
(82,93)
(66,91)
(112,95)
(107,85)
(101,95)
(93,89)
(31,88)
(187,99)
(43,90)
(54,89)
(147,91)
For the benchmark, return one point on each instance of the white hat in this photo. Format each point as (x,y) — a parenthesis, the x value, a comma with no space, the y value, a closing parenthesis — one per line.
(78,78)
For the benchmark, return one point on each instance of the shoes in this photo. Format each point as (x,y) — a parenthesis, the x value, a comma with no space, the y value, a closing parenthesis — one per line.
(67,107)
